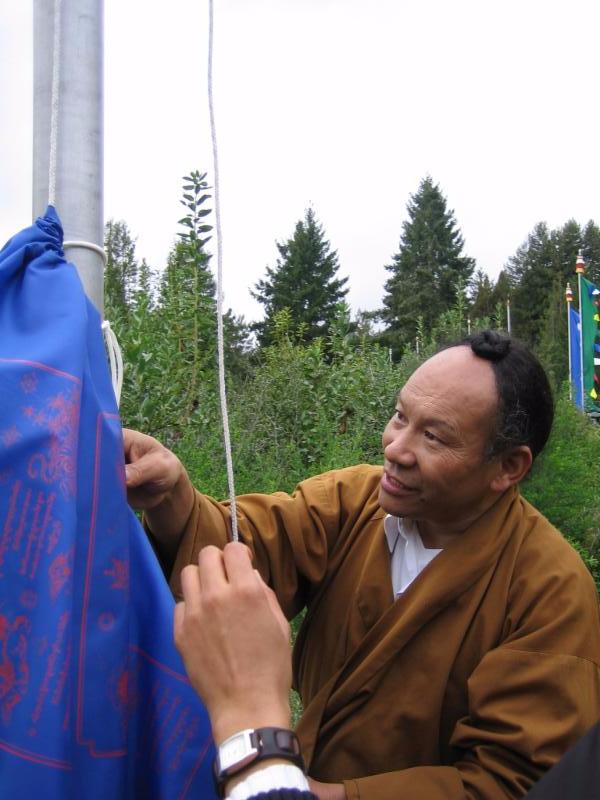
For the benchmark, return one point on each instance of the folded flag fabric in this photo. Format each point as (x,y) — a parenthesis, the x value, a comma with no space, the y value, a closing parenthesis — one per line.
(94,700)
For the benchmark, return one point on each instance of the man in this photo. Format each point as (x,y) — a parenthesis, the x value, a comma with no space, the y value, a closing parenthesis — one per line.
(451,645)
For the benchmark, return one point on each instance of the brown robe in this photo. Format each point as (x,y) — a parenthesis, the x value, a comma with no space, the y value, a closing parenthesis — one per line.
(469,685)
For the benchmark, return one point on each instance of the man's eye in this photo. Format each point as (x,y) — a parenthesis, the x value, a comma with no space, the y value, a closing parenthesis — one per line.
(431,436)
(400,416)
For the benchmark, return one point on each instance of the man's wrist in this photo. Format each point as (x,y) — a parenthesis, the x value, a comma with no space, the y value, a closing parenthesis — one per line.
(168,519)
(227,723)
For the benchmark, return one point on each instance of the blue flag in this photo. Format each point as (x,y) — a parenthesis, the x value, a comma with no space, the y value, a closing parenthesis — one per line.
(575,356)
(94,700)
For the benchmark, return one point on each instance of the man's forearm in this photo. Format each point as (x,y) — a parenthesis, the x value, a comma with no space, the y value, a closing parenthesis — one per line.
(166,521)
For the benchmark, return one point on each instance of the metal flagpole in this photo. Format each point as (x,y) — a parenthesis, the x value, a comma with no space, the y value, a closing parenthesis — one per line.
(580,269)
(569,299)
(80,132)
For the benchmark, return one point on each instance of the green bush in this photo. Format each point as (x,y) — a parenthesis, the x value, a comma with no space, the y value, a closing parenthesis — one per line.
(565,481)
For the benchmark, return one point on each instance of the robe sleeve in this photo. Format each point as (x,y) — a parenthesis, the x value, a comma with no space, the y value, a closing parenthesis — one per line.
(529,699)
(291,536)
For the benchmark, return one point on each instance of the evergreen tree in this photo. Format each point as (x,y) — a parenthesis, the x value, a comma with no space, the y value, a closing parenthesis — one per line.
(238,344)
(531,271)
(546,257)
(121,271)
(304,281)
(427,269)
(483,301)
(591,251)
(502,289)
(553,339)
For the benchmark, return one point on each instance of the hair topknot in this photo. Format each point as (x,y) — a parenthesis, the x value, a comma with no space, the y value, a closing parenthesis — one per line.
(490,345)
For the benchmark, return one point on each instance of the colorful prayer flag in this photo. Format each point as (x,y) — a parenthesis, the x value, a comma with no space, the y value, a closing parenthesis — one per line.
(590,317)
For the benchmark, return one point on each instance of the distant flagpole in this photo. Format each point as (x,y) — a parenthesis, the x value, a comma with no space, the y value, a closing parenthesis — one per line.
(580,269)
(508,325)
(569,299)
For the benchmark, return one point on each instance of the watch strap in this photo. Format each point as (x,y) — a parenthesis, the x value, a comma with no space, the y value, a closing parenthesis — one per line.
(266,743)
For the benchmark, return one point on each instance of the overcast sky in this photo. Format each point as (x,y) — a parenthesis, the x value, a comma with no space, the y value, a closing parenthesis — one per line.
(339,104)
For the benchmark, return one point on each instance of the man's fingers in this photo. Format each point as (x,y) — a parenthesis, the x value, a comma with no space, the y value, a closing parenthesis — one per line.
(190,587)
(211,570)
(145,471)
(178,618)
(237,560)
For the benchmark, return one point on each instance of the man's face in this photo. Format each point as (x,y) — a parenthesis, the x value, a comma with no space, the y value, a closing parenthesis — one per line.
(435,470)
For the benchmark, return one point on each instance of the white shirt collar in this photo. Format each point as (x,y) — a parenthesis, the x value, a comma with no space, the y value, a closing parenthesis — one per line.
(409,556)
(399,526)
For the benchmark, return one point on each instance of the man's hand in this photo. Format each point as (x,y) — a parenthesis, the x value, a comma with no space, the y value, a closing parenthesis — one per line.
(234,640)
(327,791)
(157,484)
(151,471)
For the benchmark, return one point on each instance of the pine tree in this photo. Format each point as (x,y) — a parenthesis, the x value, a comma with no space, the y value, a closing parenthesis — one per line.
(591,251)
(553,338)
(304,281)
(545,257)
(426,270)
(531,271)
(483,302)
(121,271)
(502,289)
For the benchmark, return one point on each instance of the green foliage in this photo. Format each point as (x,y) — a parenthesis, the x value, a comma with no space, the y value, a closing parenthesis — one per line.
(427,270)
(565,481)
(304,281)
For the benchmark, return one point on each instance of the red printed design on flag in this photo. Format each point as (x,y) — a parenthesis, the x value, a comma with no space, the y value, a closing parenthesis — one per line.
(10,436)
(58,463)
(59,573)
(14,669)
(119,572)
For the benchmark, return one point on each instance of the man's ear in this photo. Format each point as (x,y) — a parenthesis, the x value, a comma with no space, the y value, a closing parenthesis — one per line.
(512,467)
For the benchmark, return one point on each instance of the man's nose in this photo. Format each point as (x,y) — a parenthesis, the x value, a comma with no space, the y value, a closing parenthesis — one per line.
(400,448)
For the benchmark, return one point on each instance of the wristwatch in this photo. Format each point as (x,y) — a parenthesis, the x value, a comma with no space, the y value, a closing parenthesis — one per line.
(251,746)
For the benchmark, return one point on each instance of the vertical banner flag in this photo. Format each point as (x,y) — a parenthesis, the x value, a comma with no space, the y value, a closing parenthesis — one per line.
(574,356)
(94,700)
(590,343)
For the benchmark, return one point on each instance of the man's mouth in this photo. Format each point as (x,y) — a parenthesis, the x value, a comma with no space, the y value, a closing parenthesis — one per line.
(395,486)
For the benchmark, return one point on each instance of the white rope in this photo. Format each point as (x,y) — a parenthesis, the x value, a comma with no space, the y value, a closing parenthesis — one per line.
(220,348)
(56,57)
(115,357)
(87,246)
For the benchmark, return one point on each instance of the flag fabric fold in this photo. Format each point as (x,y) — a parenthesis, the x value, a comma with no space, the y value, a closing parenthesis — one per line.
(94,700)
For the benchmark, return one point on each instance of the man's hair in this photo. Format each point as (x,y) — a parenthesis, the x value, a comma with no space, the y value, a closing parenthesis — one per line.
(525,404)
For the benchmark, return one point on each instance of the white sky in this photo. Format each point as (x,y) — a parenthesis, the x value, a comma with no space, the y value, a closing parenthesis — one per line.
(341,104)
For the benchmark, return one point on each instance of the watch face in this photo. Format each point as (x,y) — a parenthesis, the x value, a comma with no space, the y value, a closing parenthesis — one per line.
(237,751)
